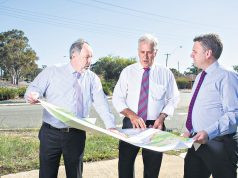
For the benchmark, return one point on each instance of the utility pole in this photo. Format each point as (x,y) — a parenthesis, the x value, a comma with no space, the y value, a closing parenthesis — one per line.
(1,72)
(167,54)
(167,57)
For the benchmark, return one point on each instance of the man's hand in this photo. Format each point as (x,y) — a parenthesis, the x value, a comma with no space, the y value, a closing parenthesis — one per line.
(186,134)
(159,122)
(201,137)
(138,122)
(32,98)
(114,130)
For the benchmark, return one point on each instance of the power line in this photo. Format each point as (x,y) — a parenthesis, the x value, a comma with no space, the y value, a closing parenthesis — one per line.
(154,14)
(140,11)
(3,1)
(70,22)
(62,21)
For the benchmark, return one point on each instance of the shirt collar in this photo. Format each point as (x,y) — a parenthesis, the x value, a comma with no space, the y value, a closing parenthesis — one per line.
(212,67)
(72,71)
(70,68)
(140,67)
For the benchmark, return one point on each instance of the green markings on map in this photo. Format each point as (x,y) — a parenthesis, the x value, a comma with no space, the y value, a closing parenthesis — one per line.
(165,138)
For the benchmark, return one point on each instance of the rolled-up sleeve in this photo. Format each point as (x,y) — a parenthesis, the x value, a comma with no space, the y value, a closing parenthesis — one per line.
(100,103)
(40,83)
(172,96)
(120,93)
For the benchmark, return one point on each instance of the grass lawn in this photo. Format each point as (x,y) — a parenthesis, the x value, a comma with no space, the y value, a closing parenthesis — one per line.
(19,149)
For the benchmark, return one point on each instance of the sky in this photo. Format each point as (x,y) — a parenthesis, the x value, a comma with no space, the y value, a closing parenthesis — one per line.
(113,27)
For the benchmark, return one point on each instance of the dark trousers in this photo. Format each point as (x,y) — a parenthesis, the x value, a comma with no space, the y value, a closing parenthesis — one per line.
(53,144)
(127,155)
(219,158)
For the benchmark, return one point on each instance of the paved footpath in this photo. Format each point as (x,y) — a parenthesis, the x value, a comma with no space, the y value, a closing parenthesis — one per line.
(172,167)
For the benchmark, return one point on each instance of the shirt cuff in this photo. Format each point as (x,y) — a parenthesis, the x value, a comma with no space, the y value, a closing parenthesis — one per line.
(212,131)
(168,110)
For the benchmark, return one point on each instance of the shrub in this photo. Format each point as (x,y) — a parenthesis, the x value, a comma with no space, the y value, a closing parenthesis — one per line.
(11,93)
(108,86)
(183,83)
(21,91)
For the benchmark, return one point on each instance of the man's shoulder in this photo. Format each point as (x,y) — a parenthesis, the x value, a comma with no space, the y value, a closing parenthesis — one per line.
(135,65)
(130,67)
(58,66)
(222,73)
(225,71)
(160,68)
(90,75)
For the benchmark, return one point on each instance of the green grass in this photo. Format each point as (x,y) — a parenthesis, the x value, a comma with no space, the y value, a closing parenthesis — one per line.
(100,147)
(19,149)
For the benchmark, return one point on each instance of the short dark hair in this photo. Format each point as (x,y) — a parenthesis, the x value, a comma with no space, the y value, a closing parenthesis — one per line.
(211,41)
(76,46)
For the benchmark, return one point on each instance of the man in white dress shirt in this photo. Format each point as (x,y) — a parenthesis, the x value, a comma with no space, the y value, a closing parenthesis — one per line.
(160,97)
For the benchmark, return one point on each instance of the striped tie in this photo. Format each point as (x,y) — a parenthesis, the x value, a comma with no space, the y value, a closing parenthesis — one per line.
(78,96)
(190,109)
(144,92)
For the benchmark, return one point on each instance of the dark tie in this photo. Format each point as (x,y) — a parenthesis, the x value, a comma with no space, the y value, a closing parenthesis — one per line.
(190,109)
(144,91)
(78,96)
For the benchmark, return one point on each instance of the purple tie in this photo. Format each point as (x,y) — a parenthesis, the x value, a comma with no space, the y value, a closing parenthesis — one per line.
(190,109)
(144,91)
(78,96)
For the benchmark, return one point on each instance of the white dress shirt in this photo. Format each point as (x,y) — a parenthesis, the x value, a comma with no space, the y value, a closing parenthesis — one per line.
(163,90)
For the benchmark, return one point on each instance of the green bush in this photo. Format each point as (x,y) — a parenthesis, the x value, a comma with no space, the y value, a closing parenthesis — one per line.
(11,93)
(8,93)
(108,86)
(183,83)
(21,91)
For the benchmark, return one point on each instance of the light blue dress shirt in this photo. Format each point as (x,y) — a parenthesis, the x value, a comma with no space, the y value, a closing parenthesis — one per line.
(216,106)
(56,84)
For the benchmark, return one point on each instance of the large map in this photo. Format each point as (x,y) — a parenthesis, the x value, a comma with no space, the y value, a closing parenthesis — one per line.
(153,139)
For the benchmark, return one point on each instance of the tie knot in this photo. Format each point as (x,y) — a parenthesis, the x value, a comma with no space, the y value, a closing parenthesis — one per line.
(203,74)
(146,69)
(77,75)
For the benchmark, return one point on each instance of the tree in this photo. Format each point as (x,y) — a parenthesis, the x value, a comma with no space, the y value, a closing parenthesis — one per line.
(17,57)
(175,72)
(192,70)
(235,68)
(109,69)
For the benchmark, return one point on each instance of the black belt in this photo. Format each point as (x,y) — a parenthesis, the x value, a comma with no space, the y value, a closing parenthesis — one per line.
(127,123)
(58,129)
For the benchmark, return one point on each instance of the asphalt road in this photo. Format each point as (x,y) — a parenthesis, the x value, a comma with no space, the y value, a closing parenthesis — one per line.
(30,116)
